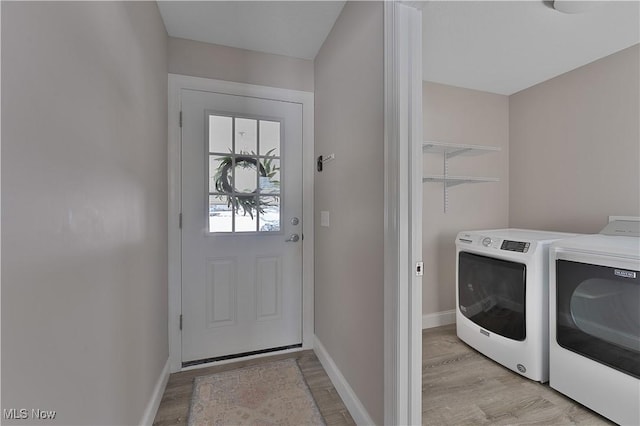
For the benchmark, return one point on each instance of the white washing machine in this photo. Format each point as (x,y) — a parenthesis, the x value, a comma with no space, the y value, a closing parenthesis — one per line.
(594,324)
(502,296)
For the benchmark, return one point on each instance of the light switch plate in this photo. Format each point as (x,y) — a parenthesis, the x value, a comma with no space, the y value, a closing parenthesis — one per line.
(324,218)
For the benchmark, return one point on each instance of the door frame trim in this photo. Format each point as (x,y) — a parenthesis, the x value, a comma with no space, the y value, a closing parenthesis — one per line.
(176,83)
(402,213)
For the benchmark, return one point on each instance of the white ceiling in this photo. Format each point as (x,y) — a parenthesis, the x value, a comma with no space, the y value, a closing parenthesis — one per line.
(495,46)
(290,28)
(506,46)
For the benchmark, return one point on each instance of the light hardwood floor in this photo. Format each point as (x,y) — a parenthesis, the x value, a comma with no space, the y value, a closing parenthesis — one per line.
(460,386)
(174,407)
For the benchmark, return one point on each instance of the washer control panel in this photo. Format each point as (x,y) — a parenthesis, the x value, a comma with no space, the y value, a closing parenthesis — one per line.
(495,243)
(519,246)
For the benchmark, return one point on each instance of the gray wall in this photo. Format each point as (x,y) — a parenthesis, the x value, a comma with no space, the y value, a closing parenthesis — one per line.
(84,201)
(349,116)
(575,147)
(453,114)
(206,60)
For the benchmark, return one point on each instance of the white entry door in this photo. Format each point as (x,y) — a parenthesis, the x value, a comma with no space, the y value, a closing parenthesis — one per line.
(241,225)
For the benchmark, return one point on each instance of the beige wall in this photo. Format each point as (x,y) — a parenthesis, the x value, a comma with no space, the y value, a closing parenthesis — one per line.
(457,115)
(349,254)
(575,147)
(206,60)
(84,196)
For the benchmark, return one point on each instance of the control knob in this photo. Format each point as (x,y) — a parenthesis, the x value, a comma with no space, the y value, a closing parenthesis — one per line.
(486,241)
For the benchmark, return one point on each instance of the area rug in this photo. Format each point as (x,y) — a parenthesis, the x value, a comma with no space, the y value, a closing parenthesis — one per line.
(273,393)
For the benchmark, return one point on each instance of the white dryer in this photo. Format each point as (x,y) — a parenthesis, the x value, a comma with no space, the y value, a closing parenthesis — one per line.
(595,321)
(502,296)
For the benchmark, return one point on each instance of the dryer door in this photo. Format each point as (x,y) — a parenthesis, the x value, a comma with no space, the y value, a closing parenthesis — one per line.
(491,293)
(598,313)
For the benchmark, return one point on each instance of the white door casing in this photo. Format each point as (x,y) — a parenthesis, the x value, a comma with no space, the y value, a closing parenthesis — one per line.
(241,262)
(254,97)
(403,213)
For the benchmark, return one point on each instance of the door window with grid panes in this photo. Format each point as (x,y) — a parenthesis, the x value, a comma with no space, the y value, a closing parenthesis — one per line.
(244,174)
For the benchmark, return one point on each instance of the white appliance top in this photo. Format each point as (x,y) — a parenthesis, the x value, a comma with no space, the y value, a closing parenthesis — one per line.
(516,241)
(603,244)
(520,234)
(619,238)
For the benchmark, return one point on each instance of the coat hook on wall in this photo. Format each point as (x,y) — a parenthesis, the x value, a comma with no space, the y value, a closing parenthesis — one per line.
(321,160)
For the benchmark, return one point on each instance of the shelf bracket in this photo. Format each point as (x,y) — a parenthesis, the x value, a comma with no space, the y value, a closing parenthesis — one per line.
(452,154)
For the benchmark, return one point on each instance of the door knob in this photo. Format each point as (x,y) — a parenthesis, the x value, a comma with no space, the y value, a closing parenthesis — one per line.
(293,238)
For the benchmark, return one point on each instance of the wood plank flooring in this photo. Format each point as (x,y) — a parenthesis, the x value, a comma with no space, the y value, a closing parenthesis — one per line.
(460,386)
(174,407)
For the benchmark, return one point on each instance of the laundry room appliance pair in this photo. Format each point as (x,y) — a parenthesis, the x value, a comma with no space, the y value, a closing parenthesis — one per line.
(558,307)
(502,296)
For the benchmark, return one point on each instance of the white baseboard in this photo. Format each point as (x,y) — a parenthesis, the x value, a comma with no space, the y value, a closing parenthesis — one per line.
(355,407)
(439,318)
(152,407)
